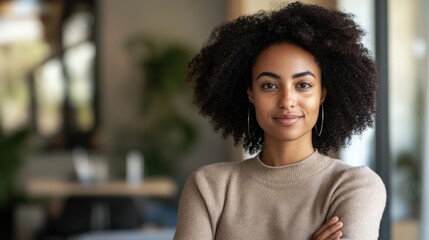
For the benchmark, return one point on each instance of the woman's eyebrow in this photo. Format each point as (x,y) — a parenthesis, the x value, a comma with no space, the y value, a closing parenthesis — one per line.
(268,74)
(276,76)
(297,75)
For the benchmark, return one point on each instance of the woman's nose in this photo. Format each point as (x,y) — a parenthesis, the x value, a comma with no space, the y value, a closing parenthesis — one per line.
(287,99)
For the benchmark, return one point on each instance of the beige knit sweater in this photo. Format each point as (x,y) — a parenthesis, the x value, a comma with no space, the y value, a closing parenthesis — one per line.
(250,200)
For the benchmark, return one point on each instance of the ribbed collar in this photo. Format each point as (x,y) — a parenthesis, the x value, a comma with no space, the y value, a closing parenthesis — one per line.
(311,165)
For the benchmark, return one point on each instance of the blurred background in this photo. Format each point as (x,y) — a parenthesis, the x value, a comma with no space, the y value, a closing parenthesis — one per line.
(98,132)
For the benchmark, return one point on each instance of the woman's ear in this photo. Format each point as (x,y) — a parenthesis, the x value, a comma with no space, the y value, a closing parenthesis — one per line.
(250,94)
(324,94)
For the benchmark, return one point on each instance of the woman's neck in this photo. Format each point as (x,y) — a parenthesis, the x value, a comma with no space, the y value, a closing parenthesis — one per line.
(281,153)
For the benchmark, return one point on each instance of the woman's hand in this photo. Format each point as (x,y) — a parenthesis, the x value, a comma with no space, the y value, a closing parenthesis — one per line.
(330,230)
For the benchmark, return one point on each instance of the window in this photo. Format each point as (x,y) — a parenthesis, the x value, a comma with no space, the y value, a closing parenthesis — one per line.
(48,61)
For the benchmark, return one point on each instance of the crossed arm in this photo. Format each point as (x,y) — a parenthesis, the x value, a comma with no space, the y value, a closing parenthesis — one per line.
(355,210)
(331,230)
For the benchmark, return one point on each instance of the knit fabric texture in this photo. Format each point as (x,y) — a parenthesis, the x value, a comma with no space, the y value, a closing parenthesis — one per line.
(250,200)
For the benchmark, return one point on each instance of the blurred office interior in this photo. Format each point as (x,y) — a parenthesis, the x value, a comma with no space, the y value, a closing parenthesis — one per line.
(98,132)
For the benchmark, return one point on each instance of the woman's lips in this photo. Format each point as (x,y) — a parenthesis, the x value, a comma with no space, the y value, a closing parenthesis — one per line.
(287,120)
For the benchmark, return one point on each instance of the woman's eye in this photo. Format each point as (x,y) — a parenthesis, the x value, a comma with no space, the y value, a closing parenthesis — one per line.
(269,86)
(304,85)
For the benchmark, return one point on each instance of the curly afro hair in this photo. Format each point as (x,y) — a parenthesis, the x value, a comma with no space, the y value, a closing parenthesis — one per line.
(220,73)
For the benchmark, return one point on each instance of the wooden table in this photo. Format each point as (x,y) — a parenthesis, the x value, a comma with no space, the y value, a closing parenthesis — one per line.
(100,215)
(151,187)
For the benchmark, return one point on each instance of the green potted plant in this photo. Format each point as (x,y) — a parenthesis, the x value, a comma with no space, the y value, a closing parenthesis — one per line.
(11,152)
(166,131)
(410,186)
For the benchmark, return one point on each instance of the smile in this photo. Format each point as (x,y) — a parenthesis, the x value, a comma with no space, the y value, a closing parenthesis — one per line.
(287,120)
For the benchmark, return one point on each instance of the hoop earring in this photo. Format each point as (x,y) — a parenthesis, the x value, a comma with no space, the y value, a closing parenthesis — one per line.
(321,126)
(248,121)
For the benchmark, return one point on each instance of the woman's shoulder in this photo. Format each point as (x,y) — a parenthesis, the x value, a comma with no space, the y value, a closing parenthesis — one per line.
(354,171)
(212,181)
(358,199)
(348,174)
(217,168)
(216,172)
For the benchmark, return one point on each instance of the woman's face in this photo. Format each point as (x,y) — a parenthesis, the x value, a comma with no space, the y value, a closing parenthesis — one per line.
(286,92)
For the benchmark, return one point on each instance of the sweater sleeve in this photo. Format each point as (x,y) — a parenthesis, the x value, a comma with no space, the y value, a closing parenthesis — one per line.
(199,208)
(359,202)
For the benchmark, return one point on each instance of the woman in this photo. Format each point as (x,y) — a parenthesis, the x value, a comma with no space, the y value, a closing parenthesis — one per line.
(290,85)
